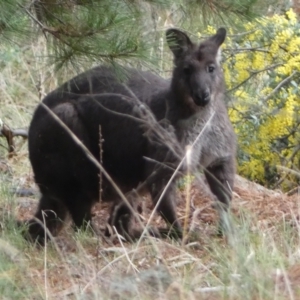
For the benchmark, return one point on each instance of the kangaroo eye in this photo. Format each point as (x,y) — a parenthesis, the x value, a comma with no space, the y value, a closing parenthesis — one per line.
(210,69)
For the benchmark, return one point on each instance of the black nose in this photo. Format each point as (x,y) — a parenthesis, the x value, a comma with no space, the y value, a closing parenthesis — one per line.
(201,99)
(206,96)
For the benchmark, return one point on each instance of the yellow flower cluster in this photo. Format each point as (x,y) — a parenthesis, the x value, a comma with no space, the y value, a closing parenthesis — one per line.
(292,16)
(263,76)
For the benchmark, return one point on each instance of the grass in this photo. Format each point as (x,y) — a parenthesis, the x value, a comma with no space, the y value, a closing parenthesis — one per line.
(259,261)
(256,262)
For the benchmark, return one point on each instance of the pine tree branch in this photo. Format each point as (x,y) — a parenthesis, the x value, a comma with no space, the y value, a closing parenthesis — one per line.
(60,33)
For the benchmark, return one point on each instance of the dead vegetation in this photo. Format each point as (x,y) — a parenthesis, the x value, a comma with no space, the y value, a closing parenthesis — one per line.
(85,265)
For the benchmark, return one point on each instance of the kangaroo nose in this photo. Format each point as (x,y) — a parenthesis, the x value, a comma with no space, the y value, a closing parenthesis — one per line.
(206,96)
(202,98)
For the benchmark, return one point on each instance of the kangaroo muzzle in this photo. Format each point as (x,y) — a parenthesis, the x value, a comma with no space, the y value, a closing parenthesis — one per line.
(201,98)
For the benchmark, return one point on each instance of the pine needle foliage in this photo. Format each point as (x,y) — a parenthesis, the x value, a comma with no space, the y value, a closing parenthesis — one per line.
(98,31)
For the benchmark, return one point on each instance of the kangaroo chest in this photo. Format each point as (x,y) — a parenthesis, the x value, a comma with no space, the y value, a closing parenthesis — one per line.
(209,139)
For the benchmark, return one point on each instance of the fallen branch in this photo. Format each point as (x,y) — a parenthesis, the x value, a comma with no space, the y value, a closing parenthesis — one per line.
(9,134)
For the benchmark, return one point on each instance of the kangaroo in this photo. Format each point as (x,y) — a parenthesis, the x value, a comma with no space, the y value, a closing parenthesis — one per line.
(133,150)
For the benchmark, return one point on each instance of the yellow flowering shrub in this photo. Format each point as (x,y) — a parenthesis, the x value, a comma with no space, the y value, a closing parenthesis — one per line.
(262,73)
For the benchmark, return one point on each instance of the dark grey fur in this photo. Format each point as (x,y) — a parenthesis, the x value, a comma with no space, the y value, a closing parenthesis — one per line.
(69,181)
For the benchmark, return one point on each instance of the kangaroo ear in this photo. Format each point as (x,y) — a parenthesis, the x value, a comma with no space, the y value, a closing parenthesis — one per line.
(178,41)
(219,37)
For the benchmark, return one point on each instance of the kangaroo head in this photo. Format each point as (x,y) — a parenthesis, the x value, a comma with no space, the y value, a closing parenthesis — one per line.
(197,72)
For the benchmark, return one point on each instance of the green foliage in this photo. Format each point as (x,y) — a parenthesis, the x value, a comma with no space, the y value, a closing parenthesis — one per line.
(101,31)
(262,74)
(78,31)
(14,24)
(220,12)
(93,31)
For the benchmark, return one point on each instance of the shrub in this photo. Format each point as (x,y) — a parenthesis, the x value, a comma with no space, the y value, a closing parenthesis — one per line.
(262,65)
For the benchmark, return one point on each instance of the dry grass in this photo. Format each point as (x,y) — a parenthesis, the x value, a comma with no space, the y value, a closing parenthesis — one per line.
(259,261)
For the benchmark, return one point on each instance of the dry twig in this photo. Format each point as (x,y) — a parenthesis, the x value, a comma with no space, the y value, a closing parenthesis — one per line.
(9,134)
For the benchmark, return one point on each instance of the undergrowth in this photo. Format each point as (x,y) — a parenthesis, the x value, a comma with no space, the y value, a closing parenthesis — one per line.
(253,263)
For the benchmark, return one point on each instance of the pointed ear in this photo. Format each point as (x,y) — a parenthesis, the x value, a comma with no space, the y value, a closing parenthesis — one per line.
(178,41)
(219,37)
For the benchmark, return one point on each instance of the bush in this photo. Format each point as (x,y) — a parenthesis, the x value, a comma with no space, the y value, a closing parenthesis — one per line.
(262,65)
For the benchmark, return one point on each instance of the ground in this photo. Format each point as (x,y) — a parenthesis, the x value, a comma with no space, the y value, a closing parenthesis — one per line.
(155,265)
(268,206)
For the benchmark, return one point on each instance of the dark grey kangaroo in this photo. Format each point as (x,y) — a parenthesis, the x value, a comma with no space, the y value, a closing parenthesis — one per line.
(69,181)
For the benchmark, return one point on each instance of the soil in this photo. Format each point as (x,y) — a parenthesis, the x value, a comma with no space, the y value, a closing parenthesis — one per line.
(268,206)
